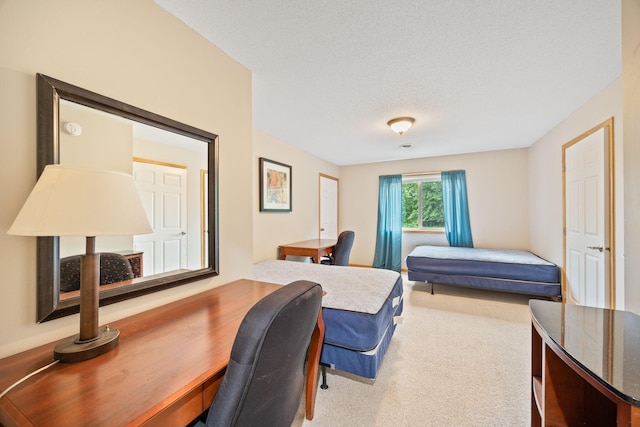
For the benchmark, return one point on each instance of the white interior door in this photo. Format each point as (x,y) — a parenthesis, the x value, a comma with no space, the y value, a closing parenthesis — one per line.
(587,260)
(328,207)
(163,190)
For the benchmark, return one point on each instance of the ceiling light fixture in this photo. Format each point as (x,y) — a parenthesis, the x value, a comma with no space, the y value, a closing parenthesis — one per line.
(401,124)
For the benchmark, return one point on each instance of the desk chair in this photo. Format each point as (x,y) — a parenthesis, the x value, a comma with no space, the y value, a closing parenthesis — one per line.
(342,249)
(114,268)
(264,381)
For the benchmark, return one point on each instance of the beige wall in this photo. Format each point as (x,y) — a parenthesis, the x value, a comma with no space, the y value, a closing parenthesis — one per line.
(545,178)
(103,144)
(135,52)
(496,187)
(271,229)
(631,84)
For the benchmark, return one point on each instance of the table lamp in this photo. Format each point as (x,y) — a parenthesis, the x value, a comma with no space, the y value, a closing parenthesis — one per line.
(74,201)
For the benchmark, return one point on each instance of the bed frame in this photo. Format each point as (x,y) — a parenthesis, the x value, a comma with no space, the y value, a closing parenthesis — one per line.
(360,310)
(493,269)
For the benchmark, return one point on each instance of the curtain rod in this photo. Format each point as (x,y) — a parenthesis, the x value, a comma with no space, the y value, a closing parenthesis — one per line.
(421,173)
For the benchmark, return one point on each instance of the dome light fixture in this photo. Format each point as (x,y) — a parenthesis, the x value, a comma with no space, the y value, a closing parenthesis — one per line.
(401,124)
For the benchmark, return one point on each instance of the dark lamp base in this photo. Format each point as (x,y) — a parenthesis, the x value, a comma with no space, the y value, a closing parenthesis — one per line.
(69,350)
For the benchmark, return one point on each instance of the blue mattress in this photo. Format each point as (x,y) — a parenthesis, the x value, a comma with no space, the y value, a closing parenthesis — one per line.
(359,331)
(359,310)
(503,270)
(362,363)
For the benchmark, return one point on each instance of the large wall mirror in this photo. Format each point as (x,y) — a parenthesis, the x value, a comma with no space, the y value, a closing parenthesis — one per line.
(175,167)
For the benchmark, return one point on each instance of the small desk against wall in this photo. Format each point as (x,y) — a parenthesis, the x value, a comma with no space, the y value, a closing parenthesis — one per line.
(585,366)
(165,371)
(314,248)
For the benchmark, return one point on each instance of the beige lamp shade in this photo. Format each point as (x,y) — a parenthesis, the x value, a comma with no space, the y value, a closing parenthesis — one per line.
(73,201)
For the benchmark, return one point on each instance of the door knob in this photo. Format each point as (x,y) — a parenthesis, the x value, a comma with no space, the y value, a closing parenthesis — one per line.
(597,248)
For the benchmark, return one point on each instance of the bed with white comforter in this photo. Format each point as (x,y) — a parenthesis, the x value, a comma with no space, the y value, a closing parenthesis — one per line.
(359,310)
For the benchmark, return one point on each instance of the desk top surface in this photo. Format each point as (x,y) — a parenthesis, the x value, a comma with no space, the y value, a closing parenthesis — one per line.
(605,343)
(313,244)
(163,354)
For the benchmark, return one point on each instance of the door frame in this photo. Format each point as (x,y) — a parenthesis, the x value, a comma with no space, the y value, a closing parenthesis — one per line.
(159,163)
(337,180)
(609,170)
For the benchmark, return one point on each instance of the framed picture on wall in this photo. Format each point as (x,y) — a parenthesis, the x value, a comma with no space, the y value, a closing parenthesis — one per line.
(275,186)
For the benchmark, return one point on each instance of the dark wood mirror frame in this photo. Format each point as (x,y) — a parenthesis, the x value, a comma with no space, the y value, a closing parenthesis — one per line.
(49,93)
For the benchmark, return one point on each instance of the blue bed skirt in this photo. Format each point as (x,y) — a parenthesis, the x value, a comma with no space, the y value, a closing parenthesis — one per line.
(359,310)
(362,363)
(361,331)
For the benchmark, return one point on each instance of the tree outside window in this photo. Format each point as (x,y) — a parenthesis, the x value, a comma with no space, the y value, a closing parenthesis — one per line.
(422,206)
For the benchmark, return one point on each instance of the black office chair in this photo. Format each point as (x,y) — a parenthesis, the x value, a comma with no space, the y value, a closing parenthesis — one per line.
(114,268)
(264,381)
(342,250)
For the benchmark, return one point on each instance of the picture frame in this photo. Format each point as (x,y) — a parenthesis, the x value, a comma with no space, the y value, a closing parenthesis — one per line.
(275,186)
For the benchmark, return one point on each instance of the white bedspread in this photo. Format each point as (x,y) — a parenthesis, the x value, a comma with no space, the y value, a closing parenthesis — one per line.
(348,288)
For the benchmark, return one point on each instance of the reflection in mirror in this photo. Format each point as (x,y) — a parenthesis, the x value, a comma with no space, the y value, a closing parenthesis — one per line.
(166,168)
(174,167)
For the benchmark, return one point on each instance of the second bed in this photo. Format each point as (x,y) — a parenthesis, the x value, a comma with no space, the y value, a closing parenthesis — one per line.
(495,269)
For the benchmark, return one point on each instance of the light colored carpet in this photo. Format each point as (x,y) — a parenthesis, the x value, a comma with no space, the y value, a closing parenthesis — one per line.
(460,358)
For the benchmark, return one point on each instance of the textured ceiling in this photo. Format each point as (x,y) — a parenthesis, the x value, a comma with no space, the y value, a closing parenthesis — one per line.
(477,75)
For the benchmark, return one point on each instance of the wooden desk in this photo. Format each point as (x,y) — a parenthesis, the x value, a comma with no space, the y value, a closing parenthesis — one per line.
(585,366)
(314,248)
(166,370)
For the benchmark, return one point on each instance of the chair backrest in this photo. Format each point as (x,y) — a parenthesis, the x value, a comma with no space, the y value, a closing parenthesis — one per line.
(342,250)
(264,381)
(113,268)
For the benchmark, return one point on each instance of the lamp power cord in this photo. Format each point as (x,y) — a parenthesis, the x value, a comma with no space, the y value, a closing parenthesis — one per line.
(26,377)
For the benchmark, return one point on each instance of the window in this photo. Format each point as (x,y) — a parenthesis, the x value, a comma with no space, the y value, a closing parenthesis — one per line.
(422,207)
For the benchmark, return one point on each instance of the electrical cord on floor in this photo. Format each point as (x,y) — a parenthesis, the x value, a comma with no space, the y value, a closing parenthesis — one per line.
(26,377)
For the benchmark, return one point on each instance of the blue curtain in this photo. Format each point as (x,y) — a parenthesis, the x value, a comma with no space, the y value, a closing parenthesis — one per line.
(456,209)
(389,238)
